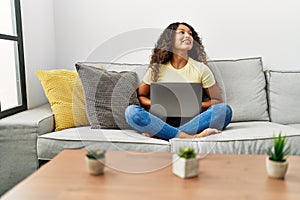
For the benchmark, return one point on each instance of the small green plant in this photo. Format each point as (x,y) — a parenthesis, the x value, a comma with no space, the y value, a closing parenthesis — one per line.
(186,152)
(279,151)
(95,154)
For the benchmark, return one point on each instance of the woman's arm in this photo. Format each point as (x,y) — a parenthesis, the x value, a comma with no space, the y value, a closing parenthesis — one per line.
(143,95)
(215,97)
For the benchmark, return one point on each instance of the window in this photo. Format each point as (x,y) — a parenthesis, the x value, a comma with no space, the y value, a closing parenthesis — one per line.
(12,69)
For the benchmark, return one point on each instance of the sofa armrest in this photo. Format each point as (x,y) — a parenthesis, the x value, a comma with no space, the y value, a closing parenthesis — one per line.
(40,118)
(18,136)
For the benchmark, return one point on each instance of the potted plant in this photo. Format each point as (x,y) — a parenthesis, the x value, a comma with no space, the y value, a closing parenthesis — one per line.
(95,162)
(185,163)
(276,162)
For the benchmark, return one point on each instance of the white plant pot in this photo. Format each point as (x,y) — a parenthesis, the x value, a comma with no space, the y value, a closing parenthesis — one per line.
(95,167)
(185,168)
(276,169)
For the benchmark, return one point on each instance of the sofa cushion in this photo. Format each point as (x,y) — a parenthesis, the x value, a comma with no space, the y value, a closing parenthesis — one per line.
(64,92)
(283,93)
(297,126)
(107,95)
(91,139)
(254,137)
(242,83)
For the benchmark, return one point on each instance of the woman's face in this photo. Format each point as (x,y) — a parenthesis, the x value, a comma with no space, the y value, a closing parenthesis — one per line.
(183,40)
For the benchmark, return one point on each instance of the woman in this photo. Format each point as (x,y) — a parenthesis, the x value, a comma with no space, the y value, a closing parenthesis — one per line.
(177,57)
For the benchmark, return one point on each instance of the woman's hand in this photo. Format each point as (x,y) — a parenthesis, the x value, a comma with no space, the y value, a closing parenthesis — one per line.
(215,97)
(143,95)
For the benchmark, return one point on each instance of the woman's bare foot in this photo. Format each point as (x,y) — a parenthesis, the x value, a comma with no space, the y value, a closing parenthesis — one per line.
(204,133)
(207,132)
(147,134)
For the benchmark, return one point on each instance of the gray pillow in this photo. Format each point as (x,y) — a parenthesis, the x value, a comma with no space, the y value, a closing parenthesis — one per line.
(107,94)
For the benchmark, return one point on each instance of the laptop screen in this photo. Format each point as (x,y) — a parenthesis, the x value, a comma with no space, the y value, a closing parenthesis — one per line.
(175,99)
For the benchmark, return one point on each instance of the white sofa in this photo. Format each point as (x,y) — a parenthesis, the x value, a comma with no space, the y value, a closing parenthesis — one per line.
(263,102)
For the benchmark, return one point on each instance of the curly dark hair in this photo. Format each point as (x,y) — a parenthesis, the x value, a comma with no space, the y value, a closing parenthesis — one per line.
(162,52)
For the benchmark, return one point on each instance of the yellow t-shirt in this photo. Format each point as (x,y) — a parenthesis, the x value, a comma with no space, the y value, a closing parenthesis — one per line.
(193,71)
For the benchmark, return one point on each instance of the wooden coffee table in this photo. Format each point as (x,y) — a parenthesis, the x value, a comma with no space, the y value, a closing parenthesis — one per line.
(149,176)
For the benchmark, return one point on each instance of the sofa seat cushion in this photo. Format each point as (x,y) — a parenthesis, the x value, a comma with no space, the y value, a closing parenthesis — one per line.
(297,126)
(242,138)
(91,139)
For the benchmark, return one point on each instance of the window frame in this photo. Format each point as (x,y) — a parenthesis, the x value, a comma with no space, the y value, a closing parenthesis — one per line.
(21,64)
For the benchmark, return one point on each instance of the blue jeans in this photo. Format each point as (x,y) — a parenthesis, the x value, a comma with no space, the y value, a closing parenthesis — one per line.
(217,116)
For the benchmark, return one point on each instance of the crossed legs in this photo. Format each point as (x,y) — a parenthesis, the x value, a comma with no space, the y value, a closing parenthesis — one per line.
(214,119)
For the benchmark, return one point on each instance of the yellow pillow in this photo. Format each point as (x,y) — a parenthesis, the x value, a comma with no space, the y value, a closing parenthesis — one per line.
(64,92)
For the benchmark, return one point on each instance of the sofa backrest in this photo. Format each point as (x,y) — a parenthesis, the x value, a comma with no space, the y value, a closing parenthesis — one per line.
(243,86)
(283,92)
(242,83)
(140,69)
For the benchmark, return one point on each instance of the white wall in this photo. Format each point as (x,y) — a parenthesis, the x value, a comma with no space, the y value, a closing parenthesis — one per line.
(39,45)
(230,29)
(58,33)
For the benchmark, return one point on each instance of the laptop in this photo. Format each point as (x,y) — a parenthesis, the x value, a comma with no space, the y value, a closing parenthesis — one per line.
(175,102)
